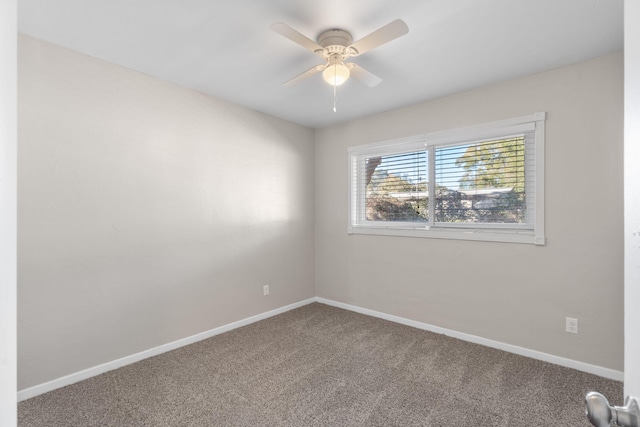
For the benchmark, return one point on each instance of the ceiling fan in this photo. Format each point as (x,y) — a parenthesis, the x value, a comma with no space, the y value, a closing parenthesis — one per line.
(335,46)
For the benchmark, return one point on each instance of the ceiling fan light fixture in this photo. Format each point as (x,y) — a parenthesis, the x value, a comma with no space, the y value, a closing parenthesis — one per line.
(335,46)
(336,73)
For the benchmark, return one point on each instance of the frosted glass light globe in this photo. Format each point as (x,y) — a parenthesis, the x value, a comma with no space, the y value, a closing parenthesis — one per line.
(336,74)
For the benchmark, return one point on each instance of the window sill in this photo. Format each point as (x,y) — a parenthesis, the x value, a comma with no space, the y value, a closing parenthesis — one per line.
(527,237)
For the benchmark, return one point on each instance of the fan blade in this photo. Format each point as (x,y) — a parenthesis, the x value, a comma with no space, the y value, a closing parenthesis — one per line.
(366,77)
(293,35)
(383,35)
(310,72)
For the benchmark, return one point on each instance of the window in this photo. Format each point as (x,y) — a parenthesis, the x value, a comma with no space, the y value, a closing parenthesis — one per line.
(483,182)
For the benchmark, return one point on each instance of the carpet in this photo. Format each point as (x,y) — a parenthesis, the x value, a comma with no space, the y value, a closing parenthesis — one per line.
(323,366)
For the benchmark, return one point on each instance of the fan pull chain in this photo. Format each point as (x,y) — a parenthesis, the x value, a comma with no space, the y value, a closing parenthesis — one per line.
(335,88)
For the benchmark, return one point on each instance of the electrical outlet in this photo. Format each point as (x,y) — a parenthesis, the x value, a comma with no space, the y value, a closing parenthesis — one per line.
(265,290)
(572,325)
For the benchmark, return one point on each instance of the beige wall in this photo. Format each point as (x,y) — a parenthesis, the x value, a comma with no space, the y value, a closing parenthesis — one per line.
(147,212)
(513,293)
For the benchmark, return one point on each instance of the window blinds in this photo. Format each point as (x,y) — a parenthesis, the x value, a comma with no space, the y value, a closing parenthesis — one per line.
(396,187)
(481,182)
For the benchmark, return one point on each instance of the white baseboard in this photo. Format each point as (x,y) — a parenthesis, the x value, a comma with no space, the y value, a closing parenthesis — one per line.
(556,360)
(118,363)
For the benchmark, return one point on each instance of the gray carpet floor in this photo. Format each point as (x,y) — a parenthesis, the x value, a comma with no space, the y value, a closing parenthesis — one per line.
(323,366)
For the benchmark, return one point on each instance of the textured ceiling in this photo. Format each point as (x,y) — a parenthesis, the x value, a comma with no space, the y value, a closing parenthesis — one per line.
(226,49)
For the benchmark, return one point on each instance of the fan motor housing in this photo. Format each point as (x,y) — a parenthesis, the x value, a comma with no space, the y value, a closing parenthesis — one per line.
(335,38)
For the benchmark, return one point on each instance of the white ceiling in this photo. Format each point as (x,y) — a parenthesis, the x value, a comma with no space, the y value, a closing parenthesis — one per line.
(225,48)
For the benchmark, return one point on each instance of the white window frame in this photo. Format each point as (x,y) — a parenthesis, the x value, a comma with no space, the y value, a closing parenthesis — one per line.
(532,232)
